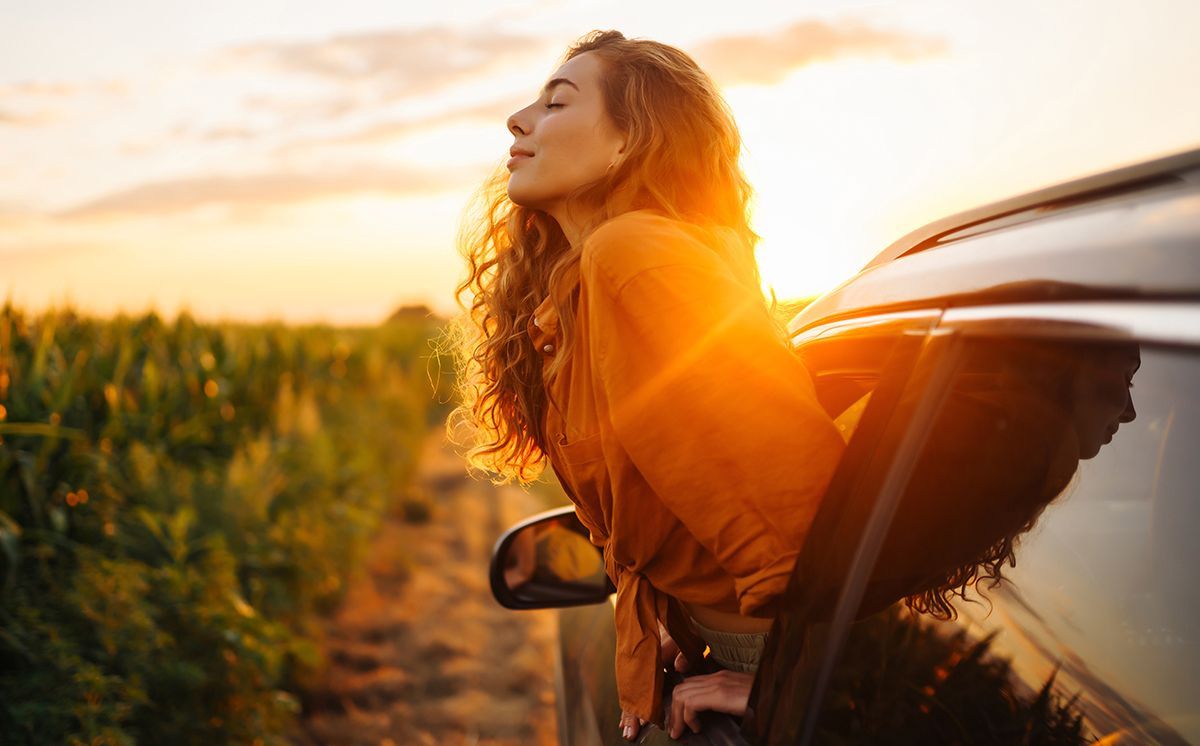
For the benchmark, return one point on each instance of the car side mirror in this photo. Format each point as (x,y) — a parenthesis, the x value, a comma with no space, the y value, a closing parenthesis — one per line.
(548,561)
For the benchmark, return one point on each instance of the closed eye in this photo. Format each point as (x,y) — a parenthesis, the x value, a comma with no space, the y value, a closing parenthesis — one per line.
(551,106)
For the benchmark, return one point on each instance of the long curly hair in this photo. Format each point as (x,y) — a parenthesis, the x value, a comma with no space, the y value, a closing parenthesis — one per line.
(681,159)
(1003,449)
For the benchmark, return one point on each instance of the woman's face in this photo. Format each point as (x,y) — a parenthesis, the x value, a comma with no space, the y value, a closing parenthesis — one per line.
(1102,401)
(567,135)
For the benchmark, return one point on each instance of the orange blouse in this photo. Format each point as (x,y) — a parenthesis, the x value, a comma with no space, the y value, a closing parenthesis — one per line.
(690,438)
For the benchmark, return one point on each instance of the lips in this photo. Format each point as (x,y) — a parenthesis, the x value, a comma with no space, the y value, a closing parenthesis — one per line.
(518,155)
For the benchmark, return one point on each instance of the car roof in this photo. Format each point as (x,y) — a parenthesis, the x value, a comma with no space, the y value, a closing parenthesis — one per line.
(1126,180)
(1131,231)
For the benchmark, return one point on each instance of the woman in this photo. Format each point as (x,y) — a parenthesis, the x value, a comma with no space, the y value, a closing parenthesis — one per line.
(618,329)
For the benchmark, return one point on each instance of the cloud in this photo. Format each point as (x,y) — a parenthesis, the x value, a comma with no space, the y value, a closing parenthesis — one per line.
(294,111)
(769,58)
(40,89)
(24,103)
(396,62)
(495,112)
(59,89)
(361,73)
(16,214)
(18,119)
(253,192)
(229,132)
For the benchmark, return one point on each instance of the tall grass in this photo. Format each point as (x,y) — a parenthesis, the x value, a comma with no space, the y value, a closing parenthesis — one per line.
(179,502)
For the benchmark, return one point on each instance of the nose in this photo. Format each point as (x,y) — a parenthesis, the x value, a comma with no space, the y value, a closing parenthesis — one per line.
(514,124)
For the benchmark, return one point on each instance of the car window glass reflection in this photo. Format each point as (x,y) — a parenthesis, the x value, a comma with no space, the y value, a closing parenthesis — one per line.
(1040,469)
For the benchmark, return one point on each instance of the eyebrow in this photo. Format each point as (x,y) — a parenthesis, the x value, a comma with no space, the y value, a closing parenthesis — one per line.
(556,82)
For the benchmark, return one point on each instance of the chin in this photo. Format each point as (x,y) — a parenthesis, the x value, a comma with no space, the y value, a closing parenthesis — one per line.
(519,197)
(1089,450)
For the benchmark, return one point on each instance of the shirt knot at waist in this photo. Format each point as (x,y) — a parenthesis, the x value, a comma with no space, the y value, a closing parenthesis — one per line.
(638,609)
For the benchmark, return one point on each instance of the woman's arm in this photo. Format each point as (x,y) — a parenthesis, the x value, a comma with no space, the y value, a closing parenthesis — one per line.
(672,657)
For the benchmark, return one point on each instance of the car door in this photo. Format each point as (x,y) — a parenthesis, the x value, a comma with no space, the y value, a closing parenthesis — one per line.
(1058,452)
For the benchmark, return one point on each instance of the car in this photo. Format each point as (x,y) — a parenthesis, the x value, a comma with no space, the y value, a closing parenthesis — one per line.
(1028,376)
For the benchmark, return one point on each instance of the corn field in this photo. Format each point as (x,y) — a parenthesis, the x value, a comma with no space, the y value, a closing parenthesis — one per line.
(179,503)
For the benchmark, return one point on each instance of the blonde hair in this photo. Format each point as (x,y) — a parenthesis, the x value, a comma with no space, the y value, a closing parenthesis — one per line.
(681,159)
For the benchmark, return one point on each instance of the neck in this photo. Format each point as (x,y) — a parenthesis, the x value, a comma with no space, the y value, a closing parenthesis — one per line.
(571,222)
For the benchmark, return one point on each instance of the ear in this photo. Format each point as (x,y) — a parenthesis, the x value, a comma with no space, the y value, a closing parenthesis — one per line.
(620,154)
(622,144)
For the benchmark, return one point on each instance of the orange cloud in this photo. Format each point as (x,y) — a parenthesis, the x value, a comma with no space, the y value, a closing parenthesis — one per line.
(252,192)
(15,214)
(768,58)
(17,119)
(23,103)
(495,111)
(40,88)
(397,62)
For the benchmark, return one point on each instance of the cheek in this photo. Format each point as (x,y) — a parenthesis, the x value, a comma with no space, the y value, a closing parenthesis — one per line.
(1101,392)
(1100,400)
(573,143)
(1112,394)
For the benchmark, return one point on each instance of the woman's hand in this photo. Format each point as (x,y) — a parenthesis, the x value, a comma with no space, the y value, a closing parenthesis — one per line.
(630,725)
(672,657)
(723,691)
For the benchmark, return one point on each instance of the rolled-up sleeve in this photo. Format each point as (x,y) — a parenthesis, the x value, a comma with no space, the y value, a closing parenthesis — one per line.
(714,410)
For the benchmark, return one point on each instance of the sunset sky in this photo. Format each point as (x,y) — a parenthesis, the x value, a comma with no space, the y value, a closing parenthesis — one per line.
(310,161)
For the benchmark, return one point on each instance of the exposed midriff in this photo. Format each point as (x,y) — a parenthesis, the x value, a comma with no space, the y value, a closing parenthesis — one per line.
(727,621)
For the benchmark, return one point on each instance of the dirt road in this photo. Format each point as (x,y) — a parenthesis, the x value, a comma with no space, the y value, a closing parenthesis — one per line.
(420,652)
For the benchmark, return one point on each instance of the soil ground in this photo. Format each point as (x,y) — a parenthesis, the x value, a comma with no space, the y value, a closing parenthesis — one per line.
(419,652)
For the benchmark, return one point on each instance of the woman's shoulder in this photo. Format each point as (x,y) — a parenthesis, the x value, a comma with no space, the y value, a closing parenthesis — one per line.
(634,241)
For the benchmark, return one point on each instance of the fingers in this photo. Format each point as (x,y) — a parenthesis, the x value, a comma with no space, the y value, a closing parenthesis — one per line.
(684,708)
(724,691)
(671,654)
(630,725)
(670,648)
(691,716)
(681,663)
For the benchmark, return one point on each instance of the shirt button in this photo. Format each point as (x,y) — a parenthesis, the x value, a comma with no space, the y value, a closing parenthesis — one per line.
(548,348)
(535,323)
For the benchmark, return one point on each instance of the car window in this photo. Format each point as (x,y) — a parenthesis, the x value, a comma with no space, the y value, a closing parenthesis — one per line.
(1077,461)
(846,360)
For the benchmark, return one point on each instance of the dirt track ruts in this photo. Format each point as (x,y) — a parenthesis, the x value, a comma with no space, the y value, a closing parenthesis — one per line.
(423,654)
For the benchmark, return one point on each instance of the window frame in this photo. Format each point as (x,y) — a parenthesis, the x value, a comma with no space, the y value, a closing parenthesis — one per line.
(912,331)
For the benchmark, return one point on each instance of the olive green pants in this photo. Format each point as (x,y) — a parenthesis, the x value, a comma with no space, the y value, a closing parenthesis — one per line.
(736,651)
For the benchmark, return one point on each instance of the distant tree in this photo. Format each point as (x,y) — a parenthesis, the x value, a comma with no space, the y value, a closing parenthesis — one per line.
(412,311)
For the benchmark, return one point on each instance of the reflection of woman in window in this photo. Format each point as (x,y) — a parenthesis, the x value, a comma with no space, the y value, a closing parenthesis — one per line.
(1019,417)
(617,329)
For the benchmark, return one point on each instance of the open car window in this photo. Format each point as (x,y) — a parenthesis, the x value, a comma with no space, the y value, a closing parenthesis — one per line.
(1075,459)
(847,359)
